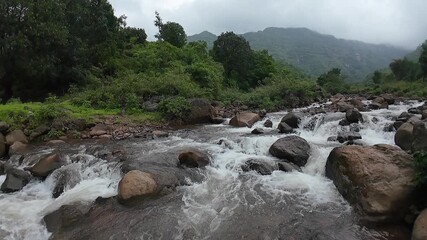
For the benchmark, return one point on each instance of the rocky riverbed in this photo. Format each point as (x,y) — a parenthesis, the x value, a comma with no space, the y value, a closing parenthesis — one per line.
(327,171)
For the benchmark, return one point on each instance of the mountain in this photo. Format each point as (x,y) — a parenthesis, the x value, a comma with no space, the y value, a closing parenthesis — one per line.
(316,53)
(206,36)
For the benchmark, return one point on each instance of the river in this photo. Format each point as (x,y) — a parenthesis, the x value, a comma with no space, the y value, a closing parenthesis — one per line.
(227,204)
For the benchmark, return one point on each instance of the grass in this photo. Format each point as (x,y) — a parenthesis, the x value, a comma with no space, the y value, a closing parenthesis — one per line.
(32,114)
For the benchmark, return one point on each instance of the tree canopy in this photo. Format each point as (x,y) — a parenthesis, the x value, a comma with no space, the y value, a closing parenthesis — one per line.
(170,32)
(423,60)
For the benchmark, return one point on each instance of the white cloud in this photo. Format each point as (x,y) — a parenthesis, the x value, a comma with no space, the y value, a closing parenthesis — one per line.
(397,22)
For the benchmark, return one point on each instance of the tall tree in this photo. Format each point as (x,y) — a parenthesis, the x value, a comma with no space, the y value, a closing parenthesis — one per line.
(235,54)
(403,69)
(423,60)
(170,32)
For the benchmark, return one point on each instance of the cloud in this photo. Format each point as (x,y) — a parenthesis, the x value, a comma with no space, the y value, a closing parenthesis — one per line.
(396,22)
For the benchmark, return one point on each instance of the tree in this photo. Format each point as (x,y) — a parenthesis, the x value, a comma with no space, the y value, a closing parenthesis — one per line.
(332,81)
(423,60)
(170,32)
(376,78)
(235,54)
(405,70)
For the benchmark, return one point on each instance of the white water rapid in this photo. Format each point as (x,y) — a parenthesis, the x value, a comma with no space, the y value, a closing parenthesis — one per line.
(228,203)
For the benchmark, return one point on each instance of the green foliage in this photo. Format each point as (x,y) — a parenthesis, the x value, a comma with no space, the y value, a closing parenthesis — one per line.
(170,32)
(423,60)
(420,165)
(405,70)
(174,108)
(332,81)
(377,77)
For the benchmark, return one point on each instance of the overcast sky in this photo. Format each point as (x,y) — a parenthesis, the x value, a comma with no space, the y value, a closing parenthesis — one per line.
(397,22)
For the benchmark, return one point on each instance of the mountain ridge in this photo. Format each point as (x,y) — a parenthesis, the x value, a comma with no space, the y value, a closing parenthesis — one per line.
(316,53)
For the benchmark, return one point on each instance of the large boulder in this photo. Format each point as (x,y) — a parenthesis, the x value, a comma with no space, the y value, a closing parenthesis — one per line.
(16,136)
(377,179)
(136,185)
(353,116)
(419,232)
(357,103)
(193,158)
(39,131)
(292,119)
(47,164)
(389,98)
(17,148)
(244,119)
(403,137)
(16,179)
(65,216)
(294,149)
(2,145)
(419,136)
(343,106)
(200,111)
(260,166)
(65,178)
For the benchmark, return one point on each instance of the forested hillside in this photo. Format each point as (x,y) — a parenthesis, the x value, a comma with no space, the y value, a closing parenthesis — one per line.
(315,53)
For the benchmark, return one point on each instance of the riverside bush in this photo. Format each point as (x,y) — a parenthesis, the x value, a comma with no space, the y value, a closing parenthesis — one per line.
(174,107)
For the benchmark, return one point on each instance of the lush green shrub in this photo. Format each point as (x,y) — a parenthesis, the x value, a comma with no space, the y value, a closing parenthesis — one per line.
(174,107)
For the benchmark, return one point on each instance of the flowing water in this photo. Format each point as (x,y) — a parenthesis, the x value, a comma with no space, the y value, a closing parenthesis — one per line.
(228,203)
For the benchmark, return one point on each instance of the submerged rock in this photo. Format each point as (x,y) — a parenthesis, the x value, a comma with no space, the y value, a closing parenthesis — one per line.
(292,148)
(288,167)
(245,119)
(348,136)
(377,179)
(136,185)
(258,131)
(193,159)
(261,166)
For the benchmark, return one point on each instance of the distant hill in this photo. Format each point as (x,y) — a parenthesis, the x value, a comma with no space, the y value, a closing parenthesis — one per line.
(206,36)
(316,53)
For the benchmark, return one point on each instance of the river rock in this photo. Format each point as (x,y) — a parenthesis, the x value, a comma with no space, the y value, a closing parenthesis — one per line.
(332,139)
(378,103)
(424,115)
(260,166)
(48,164)
(291,148)
(16,179)
(217,120)
(343,106)
(4,127)
(17,148)
(389,98)
(288,167)
(377,179)
(348,136)
(403,137)
(353,116)
(55,142)
(39,131)
(160,134)
(258,131)
(357,103)
(16,136)
(65,216)
(244,119)
(404,117)
(344,122)
(193,159)
(414,111)
(419,136)
(284,128)
(292,119)
(268,123)
(200,111)
(136,185)
(2,145)
(419,231)
(65,178)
